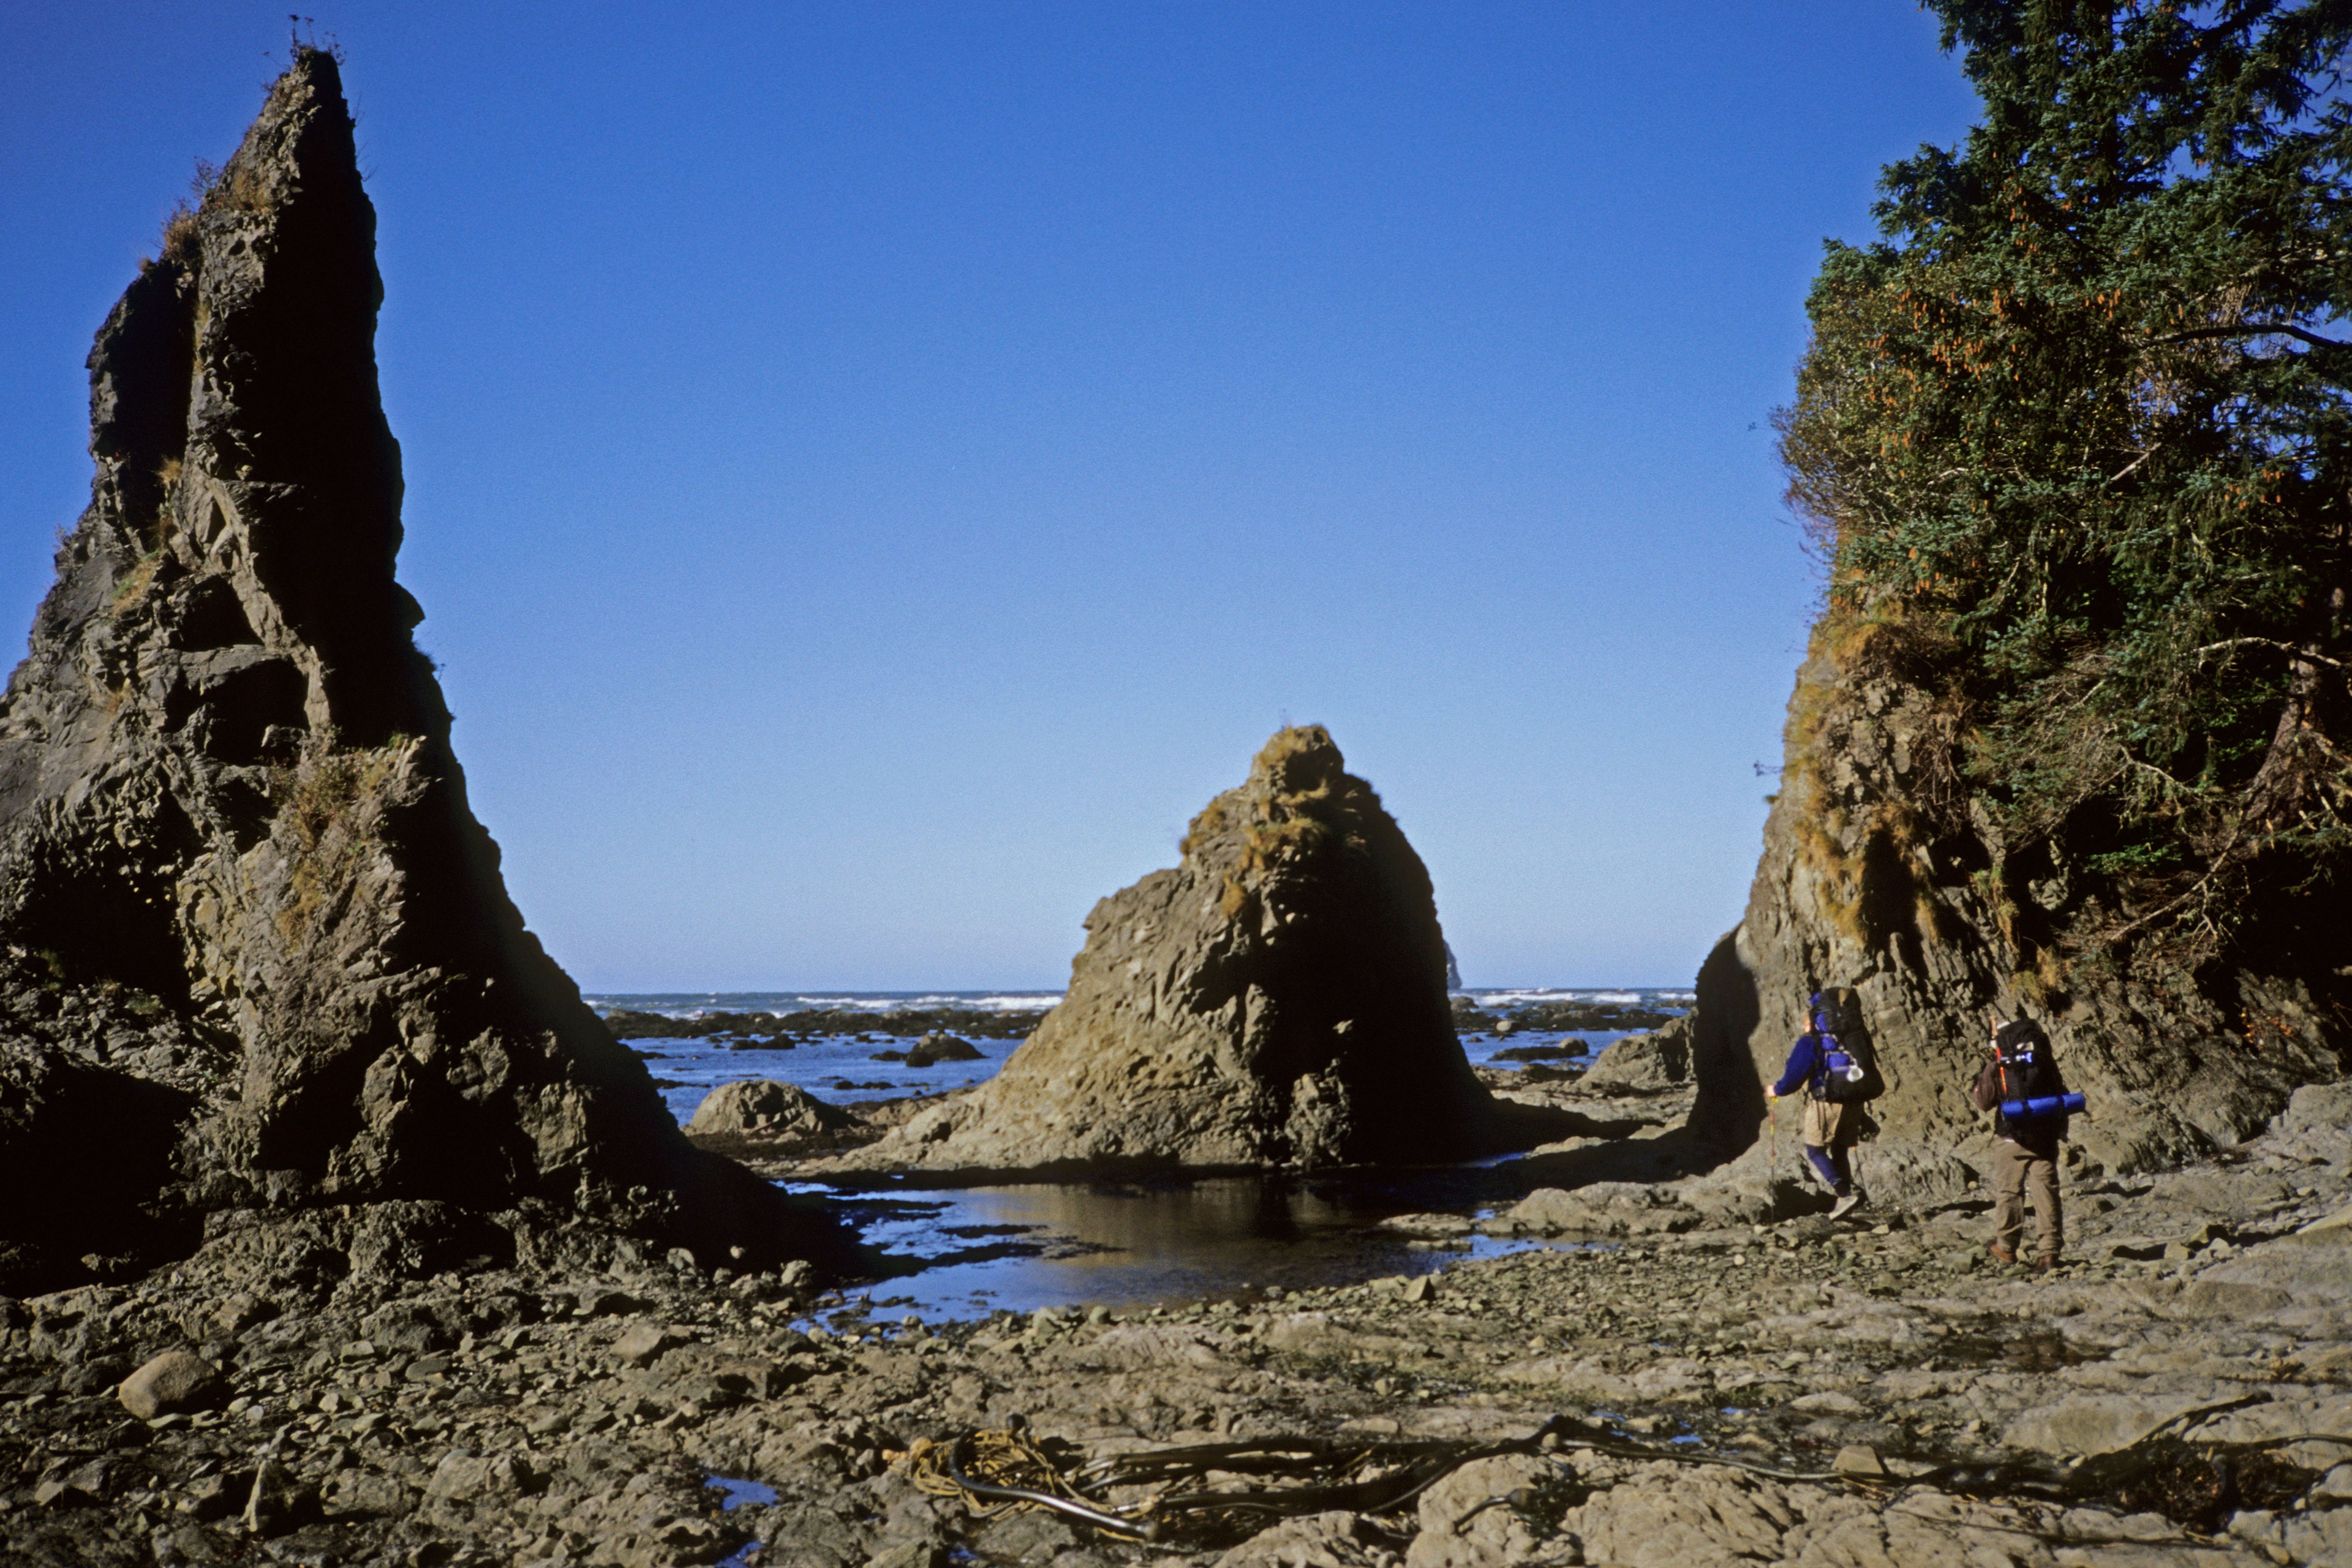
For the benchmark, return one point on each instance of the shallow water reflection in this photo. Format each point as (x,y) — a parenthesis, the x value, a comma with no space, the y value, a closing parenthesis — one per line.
(734,1491)
(970,1251)
(1129,1245)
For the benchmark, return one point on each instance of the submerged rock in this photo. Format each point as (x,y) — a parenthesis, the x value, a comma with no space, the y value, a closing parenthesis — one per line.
(1278,997)
(934,1048)
(255,949)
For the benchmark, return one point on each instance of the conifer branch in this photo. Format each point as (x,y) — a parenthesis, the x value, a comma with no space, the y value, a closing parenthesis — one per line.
(2253,330)
(2272,642)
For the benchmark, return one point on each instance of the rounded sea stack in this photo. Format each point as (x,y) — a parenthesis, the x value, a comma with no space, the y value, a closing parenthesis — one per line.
(1278,998)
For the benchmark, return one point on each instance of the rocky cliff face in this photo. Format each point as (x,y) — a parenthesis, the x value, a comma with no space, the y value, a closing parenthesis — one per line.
(1881,872)
(1278,998)
(255,949)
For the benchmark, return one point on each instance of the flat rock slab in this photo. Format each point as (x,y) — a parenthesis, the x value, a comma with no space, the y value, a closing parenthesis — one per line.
(2314,1266)
(2282,1419)
(2090,1424)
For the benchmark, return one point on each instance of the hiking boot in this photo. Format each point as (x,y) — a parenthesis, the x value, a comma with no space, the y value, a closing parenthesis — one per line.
(2001,1253)
(2045,1263)
(1845,1206)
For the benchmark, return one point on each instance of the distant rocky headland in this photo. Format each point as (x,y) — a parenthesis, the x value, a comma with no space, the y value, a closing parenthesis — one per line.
(782,1030)
(1469,1018)
(774,1031)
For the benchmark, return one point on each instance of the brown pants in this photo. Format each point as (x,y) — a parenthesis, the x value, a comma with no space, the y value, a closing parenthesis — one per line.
(2015,1172)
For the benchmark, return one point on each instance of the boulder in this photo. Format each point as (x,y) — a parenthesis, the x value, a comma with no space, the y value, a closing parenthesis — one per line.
(644,1344)
(938,1047)
(249,926)
(1276,998)
(2319,1108)
(1660,1059)
(764,1108)
(1858,1460)
(2318,1122)
(173,1382)
(918,1554)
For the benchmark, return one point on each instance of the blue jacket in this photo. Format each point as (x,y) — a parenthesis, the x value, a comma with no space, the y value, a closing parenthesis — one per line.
(1805,1064)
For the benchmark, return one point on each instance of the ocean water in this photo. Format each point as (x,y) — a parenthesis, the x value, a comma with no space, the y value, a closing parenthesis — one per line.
(966,1252)
(839,1069)
(960,1253)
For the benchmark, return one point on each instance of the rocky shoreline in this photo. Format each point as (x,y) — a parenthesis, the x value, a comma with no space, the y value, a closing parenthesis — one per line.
(1627,1093)
(2180,1392)
(342,1233)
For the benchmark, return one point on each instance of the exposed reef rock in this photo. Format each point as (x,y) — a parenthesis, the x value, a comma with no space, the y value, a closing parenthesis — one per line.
(256,954)
(764,1107)
(1278,998)
(1658,1060)
(934,1048)
(1882,874)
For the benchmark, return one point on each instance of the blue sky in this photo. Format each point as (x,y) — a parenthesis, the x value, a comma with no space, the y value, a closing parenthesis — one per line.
(875,471)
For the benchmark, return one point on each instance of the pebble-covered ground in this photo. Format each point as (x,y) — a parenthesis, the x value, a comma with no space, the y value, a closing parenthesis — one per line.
(2181,1393)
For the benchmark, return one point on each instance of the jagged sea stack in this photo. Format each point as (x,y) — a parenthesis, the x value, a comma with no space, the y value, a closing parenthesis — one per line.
(256,954)
(1276,998)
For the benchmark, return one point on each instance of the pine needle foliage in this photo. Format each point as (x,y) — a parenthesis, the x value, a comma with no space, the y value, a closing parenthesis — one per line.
(2082,410)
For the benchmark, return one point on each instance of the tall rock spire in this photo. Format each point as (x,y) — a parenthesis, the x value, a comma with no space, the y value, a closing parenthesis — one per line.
(242,895)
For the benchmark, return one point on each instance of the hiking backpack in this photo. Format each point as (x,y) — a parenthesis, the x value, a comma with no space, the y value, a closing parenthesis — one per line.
(2028,1072)
(1847,1076)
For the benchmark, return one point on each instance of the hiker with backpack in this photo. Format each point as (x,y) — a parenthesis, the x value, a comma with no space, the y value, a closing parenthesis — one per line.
(2022,1088)
(1836,1077)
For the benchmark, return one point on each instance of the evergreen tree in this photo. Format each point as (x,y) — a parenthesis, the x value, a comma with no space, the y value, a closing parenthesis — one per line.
(2074,435)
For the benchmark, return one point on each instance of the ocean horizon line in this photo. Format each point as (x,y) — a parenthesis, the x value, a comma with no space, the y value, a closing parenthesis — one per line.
(1011,999)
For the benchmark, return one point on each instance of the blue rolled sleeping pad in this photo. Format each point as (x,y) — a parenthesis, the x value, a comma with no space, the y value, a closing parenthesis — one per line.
(2042,1105)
